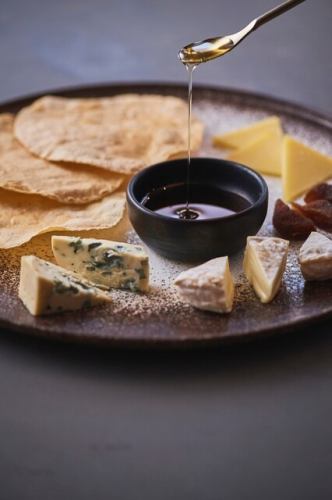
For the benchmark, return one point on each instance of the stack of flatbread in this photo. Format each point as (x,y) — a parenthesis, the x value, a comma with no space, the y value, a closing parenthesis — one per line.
(64,162)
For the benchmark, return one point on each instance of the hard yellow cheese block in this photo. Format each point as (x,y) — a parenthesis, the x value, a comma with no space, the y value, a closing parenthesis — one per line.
(302,168)
(241,137)
(264,264)
(262,154)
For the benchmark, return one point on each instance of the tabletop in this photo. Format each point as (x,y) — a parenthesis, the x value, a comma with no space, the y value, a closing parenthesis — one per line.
(251,421)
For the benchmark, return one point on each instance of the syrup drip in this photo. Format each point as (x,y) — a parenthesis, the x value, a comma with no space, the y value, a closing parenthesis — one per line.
(187,212)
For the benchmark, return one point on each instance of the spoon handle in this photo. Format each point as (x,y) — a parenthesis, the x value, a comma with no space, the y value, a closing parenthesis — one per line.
(276,11)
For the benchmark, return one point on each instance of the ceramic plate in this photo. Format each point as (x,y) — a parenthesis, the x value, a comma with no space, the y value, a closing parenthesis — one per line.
(159,318)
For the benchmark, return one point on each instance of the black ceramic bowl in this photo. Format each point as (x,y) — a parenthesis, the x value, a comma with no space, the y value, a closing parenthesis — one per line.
(198,240)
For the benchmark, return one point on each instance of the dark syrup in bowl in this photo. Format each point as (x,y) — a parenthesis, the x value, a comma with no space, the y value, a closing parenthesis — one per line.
(206,202)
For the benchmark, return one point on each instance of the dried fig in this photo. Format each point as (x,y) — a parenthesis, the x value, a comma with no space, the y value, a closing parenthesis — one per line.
(290,223)
(320,212)
(321,191)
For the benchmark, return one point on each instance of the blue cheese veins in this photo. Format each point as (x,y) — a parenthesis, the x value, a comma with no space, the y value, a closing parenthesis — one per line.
(108,264)
(46,288)
(209,286)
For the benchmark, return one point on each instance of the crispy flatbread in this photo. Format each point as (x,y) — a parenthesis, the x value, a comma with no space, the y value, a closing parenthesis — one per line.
(25,173)
(23,216)
(122,133)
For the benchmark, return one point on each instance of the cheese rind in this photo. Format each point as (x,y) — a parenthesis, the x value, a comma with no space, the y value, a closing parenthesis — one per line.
(262,154)
(264,264)
(315,257)
(209,286)
(108,264)
(46,288)
(302,168)
(241,137)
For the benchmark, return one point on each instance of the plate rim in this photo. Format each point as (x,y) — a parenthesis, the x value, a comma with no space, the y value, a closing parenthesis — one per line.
(163,343)
(306,113)
(289,107)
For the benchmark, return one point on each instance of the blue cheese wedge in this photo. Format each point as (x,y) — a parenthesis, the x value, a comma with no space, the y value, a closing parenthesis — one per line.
(315,257)
(264,265)
(46,288)
(108,264)
(209,286)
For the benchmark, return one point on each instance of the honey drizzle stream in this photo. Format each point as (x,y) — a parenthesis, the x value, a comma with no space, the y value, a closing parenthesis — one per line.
(187,213)
(190,68)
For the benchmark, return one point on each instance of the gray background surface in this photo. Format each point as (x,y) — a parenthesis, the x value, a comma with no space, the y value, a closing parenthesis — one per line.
(250,422)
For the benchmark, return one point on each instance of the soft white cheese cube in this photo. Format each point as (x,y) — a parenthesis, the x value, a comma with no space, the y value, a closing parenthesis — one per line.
(209,286)
(315,257)
(264,265)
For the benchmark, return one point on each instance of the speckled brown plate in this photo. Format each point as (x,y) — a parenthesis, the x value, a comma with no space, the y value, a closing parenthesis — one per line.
(159,318)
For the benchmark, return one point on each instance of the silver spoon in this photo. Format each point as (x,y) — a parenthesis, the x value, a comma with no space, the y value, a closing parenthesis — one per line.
(206,50)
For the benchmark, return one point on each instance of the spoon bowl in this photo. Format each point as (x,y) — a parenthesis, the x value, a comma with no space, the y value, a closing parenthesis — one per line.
(206,50)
